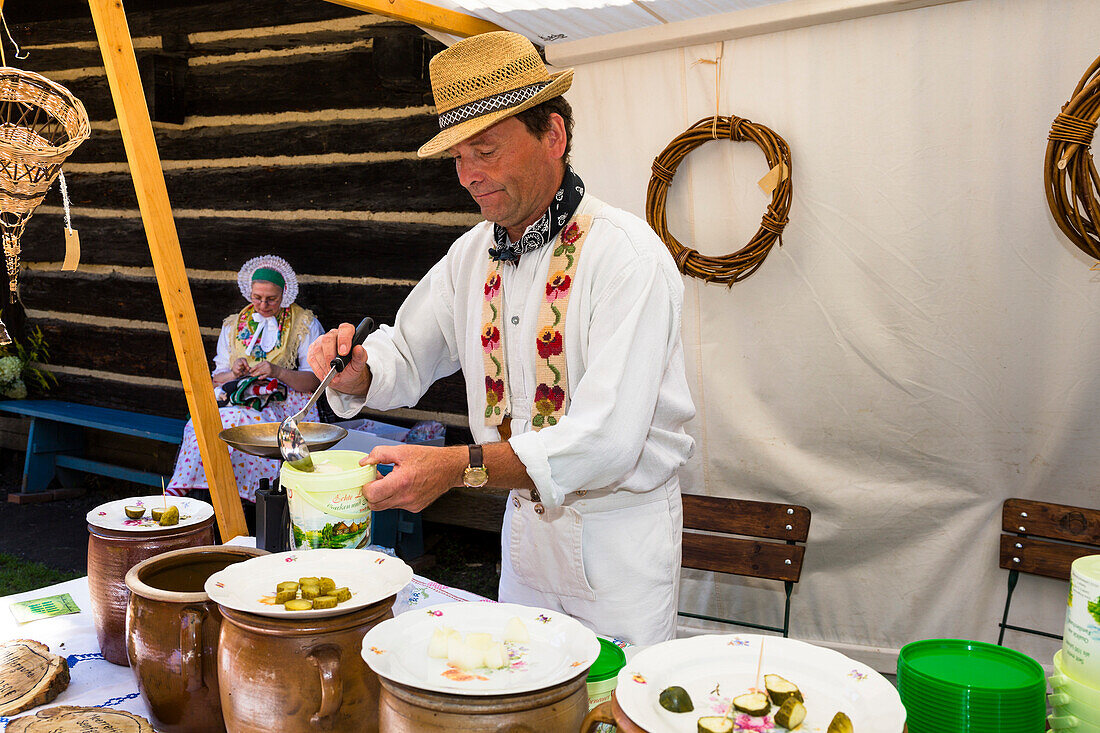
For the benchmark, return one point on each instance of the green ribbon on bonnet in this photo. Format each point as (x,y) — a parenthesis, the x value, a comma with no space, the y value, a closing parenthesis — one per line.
(268,275)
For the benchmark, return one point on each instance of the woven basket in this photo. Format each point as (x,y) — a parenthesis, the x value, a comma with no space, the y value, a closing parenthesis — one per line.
(41,123)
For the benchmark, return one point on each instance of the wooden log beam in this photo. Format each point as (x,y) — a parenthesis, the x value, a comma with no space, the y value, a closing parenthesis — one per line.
(425,15)
(120,63)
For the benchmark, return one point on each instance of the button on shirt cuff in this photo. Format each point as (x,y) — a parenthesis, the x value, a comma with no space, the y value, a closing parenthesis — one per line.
(532,454)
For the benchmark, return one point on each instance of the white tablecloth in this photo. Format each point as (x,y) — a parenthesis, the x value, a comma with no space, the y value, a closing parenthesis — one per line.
(96,682)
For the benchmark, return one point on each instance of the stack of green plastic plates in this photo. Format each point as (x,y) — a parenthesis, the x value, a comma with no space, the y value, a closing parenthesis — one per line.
(953,685)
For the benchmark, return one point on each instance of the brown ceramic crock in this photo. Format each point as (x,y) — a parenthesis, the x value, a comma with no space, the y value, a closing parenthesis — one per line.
(298,675)
(172,630)
(406,709)
(111,554)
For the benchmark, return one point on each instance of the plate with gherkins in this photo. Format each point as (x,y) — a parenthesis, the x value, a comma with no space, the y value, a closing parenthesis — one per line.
(144,513)
(308,584)
(722,683)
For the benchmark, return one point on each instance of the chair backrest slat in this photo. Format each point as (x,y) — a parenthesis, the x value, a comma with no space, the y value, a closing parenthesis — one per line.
(748,518)
(1040,557)
(1052,521)
(750,558)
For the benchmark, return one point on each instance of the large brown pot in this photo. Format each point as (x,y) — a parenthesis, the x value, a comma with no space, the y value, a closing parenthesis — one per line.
(172,630)
(111,554)
(298,675)
(409,710)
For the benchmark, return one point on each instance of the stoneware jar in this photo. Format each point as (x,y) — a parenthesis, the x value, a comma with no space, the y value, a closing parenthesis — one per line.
(298,675)
(172,630)
(114,548)
(406,709)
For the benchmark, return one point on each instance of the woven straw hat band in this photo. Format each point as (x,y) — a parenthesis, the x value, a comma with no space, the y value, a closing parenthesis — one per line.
(483,66)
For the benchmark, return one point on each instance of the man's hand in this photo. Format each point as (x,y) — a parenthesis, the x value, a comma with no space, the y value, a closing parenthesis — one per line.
(355,379)
(265,369)
(420,475)
(240,368)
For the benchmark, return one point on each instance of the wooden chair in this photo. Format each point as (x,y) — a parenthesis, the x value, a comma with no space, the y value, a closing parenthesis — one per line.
(732,536)
(1043,539)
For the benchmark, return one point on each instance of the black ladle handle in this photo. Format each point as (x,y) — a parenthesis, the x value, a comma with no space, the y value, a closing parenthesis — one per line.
(365,327)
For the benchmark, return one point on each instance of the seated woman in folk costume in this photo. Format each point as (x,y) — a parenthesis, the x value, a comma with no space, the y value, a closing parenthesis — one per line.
(260,372)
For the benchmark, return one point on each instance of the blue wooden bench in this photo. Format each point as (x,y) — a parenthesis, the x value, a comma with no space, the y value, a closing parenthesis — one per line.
(55,444)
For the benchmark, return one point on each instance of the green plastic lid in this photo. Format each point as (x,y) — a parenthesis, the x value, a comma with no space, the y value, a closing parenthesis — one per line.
(972,664)
(608,664)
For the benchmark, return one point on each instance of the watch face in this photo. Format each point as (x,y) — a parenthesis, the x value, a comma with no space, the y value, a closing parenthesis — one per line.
(476,476)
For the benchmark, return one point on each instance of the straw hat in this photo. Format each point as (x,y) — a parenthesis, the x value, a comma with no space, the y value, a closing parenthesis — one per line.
(484,79)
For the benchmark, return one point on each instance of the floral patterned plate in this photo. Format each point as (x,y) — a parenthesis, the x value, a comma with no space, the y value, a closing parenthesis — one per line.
(250,585)
(716,668)
(112,515)
(560,649)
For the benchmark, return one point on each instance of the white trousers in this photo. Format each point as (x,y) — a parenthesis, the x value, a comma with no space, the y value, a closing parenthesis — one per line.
(611,560)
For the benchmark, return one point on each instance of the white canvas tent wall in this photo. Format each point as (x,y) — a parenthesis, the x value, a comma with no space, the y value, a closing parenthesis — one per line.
(922,346)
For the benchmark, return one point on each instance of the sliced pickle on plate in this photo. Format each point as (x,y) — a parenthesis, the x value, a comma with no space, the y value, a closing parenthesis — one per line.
(752,703)
(134,512)
(790,714)
(840,723)
(676,700)
(715,724)
(779,689)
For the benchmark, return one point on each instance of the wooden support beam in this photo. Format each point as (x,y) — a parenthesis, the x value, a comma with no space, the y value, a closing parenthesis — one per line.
(423,15)
(120,63)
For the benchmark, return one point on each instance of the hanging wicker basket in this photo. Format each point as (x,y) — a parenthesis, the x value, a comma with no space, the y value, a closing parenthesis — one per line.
(41,123)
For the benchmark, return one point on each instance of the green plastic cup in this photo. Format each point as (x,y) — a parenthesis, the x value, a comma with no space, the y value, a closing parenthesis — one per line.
(604,673)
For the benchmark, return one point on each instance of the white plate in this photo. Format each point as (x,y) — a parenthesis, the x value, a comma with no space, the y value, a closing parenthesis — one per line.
(559,650)
(716,668)
(112,515)
(250,585)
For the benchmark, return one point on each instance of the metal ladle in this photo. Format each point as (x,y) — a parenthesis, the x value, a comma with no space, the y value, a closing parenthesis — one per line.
(291,443)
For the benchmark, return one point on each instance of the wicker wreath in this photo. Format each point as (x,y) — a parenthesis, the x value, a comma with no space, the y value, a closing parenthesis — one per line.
(734,267)
(1069,174)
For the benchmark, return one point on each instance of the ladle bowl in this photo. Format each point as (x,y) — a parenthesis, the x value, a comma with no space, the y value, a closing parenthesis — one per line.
(261,439)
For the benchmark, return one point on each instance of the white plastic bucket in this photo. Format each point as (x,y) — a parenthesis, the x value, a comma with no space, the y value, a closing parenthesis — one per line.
(1081,638)
(327,507)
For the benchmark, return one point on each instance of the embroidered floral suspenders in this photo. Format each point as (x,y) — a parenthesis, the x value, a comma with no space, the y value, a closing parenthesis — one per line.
(552,393)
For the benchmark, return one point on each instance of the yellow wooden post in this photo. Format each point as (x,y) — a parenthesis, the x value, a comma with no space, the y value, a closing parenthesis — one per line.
(424,15)
(120,62)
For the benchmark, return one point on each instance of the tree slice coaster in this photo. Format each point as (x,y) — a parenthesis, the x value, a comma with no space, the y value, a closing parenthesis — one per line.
(69,719)
(29,675)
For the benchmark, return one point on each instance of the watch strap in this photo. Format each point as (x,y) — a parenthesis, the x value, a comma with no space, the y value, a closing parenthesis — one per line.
(477,456)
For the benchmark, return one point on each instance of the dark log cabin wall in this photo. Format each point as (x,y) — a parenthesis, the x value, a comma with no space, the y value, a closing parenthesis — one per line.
(301,125)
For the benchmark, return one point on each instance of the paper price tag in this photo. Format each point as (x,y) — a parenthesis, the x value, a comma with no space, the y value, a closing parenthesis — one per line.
(72,250)
(48,607)
(773,178)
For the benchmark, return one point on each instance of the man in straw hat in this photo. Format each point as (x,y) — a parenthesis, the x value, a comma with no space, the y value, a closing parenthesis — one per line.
(563,314)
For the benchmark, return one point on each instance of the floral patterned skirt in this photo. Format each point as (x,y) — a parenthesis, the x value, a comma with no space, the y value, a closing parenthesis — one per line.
(248,470)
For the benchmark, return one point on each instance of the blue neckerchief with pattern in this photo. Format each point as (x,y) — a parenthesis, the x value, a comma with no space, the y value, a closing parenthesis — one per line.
(566,200)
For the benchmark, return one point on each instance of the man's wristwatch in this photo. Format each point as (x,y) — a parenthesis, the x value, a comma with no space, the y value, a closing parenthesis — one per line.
(476,475)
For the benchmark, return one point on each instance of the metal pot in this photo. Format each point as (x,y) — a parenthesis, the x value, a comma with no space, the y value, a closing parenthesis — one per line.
(172,630)
(298,675)
(111,554)
(406,709)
